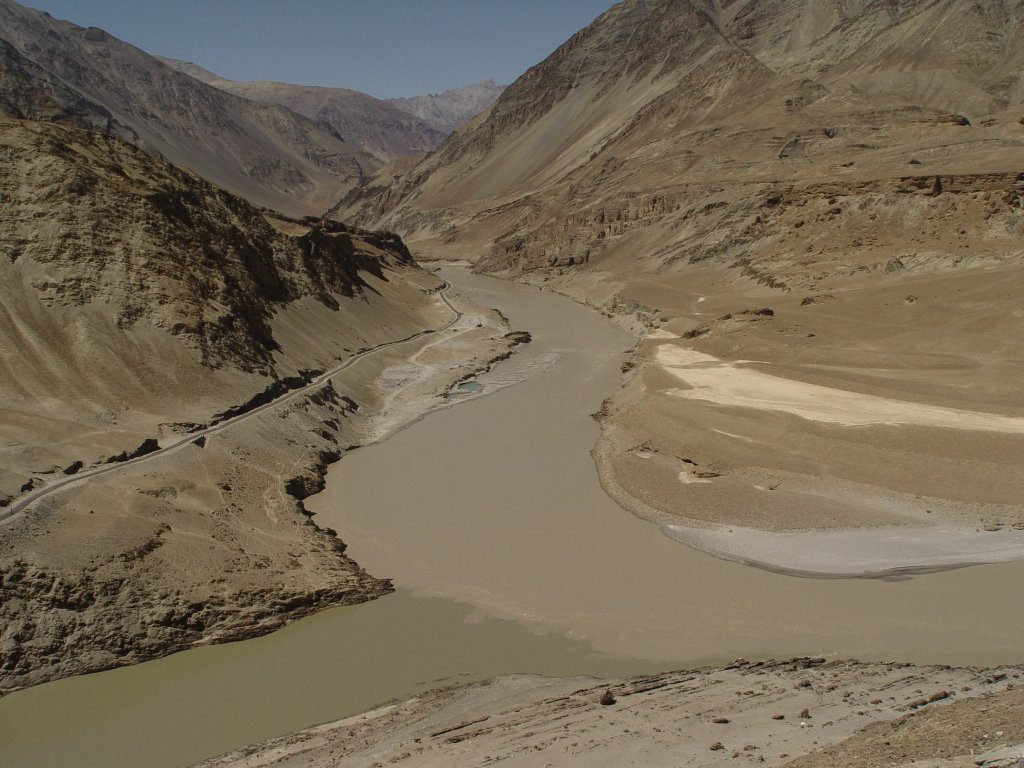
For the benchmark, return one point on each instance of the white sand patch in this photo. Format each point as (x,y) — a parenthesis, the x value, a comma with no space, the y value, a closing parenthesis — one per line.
(737,437)
(661,333)
(730,383)
(687,478)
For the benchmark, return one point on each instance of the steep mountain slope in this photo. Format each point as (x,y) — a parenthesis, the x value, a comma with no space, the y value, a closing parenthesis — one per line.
(833,189)
(694,101)
(55,70)
(139,303)
(448,110)
(599,89)
(380,130)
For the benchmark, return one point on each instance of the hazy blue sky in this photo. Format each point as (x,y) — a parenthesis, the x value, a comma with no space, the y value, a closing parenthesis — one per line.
(383,47)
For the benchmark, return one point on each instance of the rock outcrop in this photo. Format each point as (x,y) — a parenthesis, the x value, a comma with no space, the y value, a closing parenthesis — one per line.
(863,717)
(196,262)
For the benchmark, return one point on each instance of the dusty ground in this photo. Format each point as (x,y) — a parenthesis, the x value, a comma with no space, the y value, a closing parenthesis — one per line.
(822,714)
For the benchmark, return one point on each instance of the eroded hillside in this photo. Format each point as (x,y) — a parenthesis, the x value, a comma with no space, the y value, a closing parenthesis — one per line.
(667,131)
(140,305)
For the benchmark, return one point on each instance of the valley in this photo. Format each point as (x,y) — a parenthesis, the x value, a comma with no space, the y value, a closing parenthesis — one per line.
(817,247)
(548,577)
(660,408)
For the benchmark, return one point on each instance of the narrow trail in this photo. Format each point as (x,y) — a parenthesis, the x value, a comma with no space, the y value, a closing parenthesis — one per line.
(22,505)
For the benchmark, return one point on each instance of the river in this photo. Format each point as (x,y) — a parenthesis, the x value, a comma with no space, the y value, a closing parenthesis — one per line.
(509,557)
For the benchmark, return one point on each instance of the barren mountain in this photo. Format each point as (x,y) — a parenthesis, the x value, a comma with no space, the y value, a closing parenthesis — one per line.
(55,70)
(380,130)
(141,304)
(690,100)
(448,110)
(830,189)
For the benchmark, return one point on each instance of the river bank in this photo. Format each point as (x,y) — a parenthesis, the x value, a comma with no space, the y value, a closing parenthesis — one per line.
(499,506)
(183,708)
(207,540)
(802,712)
(862,432)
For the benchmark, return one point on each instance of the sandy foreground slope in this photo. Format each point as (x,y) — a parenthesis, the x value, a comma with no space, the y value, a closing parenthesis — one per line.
(802,712)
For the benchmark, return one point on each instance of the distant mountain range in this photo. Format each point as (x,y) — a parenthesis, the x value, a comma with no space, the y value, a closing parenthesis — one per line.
(447,111)
(57,71)
(296,149)
(379,129)
(384,128)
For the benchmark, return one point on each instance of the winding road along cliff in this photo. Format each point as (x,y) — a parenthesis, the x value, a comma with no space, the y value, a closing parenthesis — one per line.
(24,504)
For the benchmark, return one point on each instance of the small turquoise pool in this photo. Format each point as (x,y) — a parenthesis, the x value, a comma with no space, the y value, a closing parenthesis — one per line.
(465,388)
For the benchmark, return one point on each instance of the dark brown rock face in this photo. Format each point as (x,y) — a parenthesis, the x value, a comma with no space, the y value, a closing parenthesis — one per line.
(159,245)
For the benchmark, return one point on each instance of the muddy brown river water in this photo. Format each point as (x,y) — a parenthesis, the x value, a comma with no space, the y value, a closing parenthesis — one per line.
(509,558)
